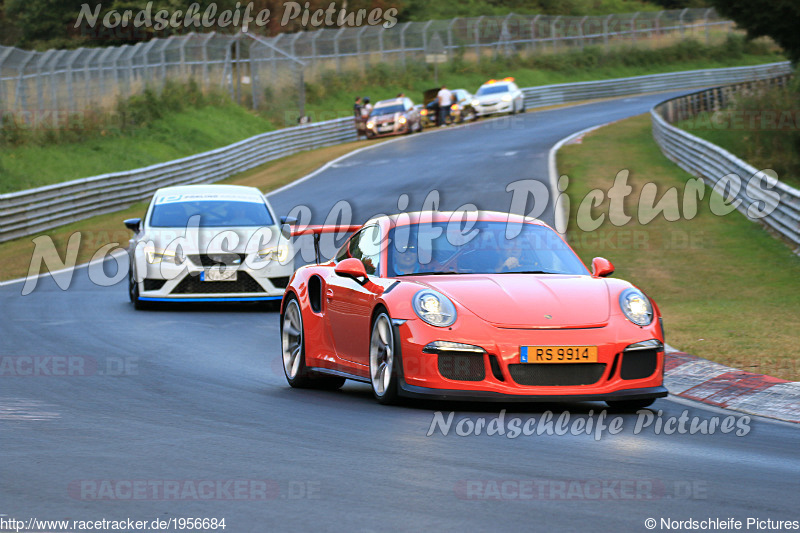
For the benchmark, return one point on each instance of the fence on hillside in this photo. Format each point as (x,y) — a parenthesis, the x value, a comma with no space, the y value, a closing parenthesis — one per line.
(43,89)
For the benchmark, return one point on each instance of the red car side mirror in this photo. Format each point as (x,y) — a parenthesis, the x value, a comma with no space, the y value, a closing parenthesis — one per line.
(601,267)
(351,268)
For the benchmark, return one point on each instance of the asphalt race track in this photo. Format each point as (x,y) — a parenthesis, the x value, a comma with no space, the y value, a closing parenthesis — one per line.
(181,396)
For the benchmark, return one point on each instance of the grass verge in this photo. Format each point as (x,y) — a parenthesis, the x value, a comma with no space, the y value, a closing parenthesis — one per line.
(728,290)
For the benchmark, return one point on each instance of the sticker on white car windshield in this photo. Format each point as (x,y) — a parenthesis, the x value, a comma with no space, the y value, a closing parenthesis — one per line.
(201,197)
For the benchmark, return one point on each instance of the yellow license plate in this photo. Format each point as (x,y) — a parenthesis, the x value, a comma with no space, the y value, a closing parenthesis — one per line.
(558,354)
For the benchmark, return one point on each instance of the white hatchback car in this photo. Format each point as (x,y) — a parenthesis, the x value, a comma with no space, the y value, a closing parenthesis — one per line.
(203,243)
(498,96)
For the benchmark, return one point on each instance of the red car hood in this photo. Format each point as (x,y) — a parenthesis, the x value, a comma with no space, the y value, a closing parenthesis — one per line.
(529,300)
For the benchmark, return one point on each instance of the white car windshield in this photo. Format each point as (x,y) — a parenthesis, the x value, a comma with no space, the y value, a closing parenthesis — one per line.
(213,214)
(493,89)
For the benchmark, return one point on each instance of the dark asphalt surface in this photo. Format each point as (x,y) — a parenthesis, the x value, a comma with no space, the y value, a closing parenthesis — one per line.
(198,393)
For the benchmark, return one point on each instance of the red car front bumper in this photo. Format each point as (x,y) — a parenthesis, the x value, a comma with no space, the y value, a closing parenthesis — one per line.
(499,374)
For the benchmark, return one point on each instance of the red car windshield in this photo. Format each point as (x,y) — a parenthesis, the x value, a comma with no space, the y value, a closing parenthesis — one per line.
(484,248)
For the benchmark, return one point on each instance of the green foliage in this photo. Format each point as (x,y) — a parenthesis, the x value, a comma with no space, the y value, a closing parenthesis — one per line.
(777,19)
(130,114)
(419,10)
(763,128)
(96,144)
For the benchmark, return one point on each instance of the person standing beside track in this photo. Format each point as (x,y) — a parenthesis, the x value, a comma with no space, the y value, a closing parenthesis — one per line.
(357,112)
(445,99)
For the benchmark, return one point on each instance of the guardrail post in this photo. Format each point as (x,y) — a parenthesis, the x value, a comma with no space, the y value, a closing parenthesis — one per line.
(633,26)
(606,31)
(380,44)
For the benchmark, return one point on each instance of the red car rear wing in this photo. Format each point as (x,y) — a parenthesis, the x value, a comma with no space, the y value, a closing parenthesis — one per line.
(317,231)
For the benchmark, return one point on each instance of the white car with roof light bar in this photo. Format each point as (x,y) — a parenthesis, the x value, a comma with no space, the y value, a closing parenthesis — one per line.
(200,243)
(499,96)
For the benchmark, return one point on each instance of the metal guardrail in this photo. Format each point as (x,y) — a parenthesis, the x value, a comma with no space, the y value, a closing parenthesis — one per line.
(712,163)
(574,92)
(31,211)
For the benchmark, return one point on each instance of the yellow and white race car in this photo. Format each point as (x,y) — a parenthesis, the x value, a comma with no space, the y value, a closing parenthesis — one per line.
(499,96)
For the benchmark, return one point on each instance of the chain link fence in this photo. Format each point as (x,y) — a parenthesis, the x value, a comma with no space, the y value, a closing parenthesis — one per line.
(46,88)
(483,38)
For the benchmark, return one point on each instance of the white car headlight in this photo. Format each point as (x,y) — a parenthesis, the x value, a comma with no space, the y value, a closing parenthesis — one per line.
(278,253)
(636,307)
(434,308)
(402,120)
(155,256)
(475,102)
(370,125)
(506,98)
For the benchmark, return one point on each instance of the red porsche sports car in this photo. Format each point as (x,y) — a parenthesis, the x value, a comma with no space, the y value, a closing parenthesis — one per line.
(482,306)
